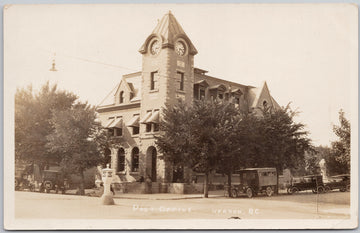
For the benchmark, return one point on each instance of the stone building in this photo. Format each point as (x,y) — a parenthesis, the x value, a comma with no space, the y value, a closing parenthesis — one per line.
(132,111)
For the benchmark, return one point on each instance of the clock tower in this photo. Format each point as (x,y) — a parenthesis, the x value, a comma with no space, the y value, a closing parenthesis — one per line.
(167,75)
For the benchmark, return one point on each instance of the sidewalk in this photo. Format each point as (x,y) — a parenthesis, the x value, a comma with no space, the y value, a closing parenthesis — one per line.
(164,196)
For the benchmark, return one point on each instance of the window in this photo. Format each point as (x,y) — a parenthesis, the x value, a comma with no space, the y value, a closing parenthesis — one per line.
(118,132)
(135,159)
(135,130)
(111,132)
(121,160)
(148,127)
(237,100)
(265,104)
(202,94)
(121,100)
(156,127)
(221,96)
(180,78)
(154,81)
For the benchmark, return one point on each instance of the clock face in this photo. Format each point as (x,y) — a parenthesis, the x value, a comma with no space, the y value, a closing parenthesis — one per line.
(155,47)
(180,48)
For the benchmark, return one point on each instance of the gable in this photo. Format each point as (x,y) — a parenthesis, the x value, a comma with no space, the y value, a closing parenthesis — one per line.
(262,96)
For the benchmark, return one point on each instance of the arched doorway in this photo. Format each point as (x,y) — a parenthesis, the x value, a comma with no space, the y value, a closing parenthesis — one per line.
(152,158)
(121,160)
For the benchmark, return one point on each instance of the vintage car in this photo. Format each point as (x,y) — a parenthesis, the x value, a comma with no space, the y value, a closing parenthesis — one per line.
(310,182)
(254,181)
(53,180)
(341,182)
(22,180)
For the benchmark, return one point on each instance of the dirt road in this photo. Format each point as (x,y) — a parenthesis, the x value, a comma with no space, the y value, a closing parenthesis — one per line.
(301,206)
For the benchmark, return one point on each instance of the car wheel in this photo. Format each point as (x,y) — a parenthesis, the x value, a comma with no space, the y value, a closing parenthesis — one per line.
(234,193)
(269,191)
(249,193)
(289,190)
(327,189)
(294,190)
(321,189)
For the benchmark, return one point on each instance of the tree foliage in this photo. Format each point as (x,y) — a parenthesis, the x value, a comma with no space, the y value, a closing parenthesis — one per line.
(197,136)
(212,135)
(75,138)
(33,112)
(53,128)
(341,147)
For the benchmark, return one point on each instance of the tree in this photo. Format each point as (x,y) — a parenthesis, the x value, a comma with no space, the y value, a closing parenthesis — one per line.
(197,136)
(341,148)
(333,166)
(33,112)
(282,142)
(76,138)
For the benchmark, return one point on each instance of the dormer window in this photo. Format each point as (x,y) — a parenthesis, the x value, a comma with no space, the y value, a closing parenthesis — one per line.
(121,99)
(202,94)
(199,89)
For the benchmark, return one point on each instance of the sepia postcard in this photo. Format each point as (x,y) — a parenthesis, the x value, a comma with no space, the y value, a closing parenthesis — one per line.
(180,116)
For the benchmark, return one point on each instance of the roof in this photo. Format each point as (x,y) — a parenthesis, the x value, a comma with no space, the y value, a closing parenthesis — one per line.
(254,95)
(212,81)
(169,30)
(133,83)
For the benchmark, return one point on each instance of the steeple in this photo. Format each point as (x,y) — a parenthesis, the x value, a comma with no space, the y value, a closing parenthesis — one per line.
(168,29)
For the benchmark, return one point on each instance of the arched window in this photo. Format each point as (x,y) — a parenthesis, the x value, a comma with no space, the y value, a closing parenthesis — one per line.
(135,159)
(121,160)
(121,97)
(265,104)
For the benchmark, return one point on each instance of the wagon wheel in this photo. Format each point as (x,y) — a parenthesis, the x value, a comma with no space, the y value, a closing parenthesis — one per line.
(294,190)
(234,193)
(269,191)
(348,188)
(249,192)
(327,189)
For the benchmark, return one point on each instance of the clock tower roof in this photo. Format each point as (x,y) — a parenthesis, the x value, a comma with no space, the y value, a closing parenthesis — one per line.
(169,30)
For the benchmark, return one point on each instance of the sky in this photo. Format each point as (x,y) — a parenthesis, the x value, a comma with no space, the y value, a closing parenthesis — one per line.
(307,53)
